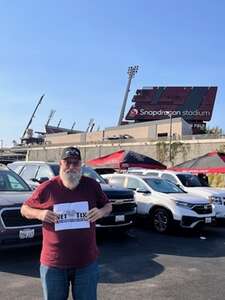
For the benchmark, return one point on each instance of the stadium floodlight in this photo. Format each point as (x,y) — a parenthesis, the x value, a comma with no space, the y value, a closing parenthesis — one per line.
(132,70)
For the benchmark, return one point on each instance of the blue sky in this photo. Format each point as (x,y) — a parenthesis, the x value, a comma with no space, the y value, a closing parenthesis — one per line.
(77,54)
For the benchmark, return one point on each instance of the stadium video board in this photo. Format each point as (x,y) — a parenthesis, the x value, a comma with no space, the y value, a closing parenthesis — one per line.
(193,104)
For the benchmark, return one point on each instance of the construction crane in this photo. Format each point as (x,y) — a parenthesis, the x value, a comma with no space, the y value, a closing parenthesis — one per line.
(59,123)
(92,127)
(90,124)
(31,119)
(52,112)
(74,123)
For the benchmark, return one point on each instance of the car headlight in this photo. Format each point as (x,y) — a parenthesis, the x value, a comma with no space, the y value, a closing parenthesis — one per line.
(184,204)
(215,200)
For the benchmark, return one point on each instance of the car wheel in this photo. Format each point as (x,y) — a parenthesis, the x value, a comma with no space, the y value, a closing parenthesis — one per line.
(161,220)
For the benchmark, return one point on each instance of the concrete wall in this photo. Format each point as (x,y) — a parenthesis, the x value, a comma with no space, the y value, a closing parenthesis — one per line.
(176,129)
(186,128)
(95,136)
(152,132)
(181,150)
(63,138)
(136,131)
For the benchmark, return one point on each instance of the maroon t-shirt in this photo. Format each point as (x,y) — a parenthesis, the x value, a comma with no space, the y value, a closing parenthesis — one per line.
(71,247)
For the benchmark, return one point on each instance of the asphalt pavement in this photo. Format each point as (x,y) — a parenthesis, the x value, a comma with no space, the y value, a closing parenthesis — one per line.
(140,265)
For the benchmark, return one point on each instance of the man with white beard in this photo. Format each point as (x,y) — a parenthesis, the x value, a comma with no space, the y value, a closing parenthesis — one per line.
(68,205)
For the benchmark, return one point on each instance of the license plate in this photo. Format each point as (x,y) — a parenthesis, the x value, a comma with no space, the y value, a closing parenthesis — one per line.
(26,234)
(120,218)
(208,220)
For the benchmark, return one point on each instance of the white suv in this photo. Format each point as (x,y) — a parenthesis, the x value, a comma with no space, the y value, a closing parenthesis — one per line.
(191,184)
(164,202)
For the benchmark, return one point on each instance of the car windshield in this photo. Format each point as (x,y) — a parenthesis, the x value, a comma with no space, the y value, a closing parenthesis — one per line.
(11,182)
(89,172)
(163,186)
(189,180)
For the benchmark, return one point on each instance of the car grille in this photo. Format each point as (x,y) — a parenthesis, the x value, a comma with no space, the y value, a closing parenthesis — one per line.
(118,194)
(202,209)
(121,205)
(13,218)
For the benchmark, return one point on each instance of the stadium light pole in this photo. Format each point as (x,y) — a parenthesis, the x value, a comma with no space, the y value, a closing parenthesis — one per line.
(131,73)
(169,114)
(170,134)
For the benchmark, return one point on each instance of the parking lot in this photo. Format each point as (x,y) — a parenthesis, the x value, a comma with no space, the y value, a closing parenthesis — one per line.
(140,265)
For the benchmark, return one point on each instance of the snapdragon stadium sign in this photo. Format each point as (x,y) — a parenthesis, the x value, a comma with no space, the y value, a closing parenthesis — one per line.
(193,104)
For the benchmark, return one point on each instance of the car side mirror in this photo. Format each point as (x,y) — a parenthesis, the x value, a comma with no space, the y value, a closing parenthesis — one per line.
(34,179)
(42,179)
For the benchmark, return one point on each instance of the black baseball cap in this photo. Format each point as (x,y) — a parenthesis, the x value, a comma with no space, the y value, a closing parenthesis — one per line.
(71,152)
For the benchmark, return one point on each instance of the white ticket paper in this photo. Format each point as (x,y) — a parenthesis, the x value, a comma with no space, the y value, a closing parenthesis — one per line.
(71,215)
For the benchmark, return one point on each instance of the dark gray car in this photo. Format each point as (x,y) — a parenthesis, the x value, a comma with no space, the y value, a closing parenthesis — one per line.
(14,229)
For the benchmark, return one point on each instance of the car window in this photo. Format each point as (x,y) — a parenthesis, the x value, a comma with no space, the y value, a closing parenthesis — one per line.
(134,183)
(169,177)
(55,169)
(3,183)
(163,186)
(151,174)
(89,172)
(16,168)
(117,180)
(29,172)
(44,171)
(11,182)
(189,180)
(138,172)
(14,183)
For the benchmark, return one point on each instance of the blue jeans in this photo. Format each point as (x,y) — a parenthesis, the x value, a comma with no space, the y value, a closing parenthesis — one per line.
(56,282)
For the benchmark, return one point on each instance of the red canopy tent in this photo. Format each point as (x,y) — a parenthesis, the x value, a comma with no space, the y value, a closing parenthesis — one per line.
(212,162)
(125,159)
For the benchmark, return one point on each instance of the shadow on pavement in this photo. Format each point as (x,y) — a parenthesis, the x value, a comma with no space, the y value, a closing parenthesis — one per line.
(23,261)
(123,260)
(116,261)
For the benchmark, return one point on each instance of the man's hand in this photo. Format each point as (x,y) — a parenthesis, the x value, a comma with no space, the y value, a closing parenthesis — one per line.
(48,216)
(97,213)
(43,215)
(94,214)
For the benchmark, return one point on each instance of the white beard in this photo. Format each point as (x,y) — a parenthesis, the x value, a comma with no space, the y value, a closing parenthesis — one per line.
(70,179)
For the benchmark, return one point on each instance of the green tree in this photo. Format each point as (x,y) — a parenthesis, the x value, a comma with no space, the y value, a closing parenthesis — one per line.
(214,130)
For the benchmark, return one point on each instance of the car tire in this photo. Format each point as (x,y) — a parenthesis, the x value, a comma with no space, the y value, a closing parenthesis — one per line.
(161,220)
